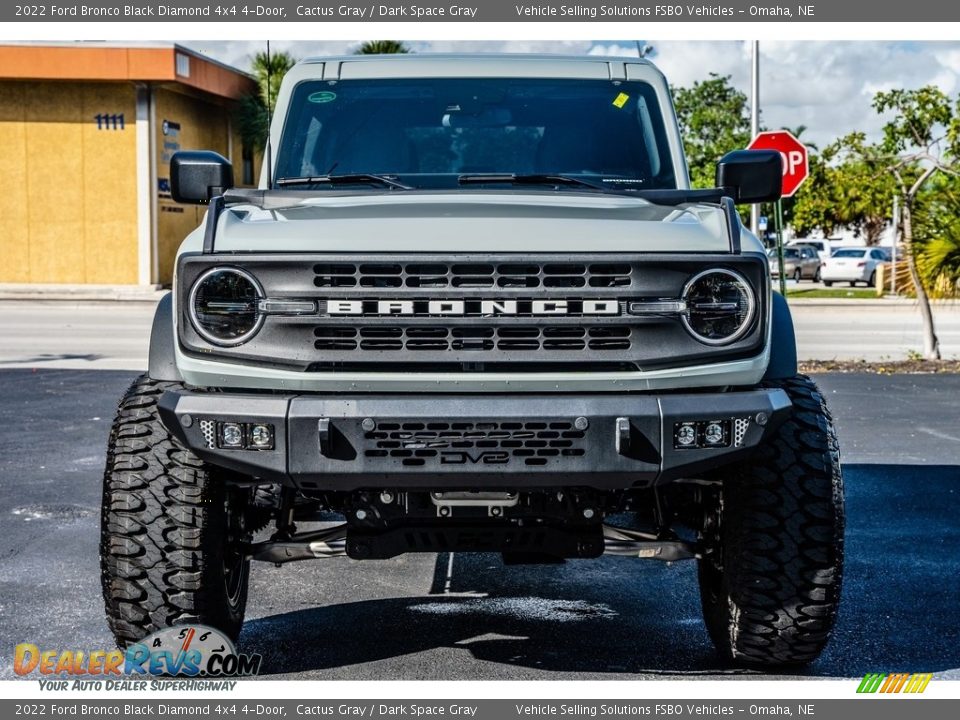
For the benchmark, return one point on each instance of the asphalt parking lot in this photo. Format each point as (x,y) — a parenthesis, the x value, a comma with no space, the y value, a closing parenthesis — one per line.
(469,617)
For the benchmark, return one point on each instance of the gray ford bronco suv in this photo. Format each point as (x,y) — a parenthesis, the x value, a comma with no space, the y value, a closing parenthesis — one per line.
(474,306)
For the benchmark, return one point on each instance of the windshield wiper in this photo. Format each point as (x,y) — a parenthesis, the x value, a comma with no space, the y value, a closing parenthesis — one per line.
(532,179)
(345,179)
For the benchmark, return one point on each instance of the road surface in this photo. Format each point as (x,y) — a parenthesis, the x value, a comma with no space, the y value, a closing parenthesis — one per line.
(459,617)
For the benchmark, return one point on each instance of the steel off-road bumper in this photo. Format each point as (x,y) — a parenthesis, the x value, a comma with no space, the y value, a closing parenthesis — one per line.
(447,442)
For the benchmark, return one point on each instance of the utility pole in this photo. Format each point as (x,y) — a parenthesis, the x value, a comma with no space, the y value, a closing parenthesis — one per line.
(755,122)
(893,247)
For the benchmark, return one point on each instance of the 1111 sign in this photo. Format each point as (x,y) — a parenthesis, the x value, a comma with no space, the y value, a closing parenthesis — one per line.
(793,154)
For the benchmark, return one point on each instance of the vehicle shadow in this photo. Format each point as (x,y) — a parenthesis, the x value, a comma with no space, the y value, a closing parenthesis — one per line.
(54,357)
(901,603)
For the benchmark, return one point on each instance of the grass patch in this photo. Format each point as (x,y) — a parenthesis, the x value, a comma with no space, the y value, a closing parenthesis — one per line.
(882,367)
(847,293)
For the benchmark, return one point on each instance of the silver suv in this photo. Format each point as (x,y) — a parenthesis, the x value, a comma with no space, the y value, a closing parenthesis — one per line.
(474,306)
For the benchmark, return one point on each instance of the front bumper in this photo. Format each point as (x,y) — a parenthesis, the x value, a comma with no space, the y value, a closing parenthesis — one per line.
(448,442)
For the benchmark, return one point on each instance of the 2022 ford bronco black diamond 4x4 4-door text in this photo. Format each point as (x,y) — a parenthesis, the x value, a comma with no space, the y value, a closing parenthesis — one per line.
(475,307)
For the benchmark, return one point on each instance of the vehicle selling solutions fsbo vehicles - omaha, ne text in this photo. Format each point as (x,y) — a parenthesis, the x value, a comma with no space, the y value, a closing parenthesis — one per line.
(476,307)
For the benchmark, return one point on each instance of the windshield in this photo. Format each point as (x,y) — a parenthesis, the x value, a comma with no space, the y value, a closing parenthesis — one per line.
(849,253)
(789,253)
(430,132)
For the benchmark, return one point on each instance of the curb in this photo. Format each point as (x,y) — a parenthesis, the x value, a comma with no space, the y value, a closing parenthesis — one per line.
(81,293)
(870,303)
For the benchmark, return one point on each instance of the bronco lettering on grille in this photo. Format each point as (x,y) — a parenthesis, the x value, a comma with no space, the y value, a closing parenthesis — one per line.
(472,307)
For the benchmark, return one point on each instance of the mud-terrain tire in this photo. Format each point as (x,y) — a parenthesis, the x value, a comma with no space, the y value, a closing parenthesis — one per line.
(771,572)
(171,534)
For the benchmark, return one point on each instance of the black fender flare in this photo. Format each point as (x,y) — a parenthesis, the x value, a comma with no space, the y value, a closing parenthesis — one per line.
(163,362)
(783,341)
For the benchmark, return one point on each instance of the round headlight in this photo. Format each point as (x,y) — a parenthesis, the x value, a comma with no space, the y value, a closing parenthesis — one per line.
(720,306)
(224,306)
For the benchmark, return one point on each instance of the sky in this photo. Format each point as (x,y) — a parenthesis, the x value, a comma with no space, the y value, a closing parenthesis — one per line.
(828,86)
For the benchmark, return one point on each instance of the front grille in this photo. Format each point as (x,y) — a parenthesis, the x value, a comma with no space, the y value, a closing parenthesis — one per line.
(493,276)
(476,338)
(534,443)
(474,312)
(500,317)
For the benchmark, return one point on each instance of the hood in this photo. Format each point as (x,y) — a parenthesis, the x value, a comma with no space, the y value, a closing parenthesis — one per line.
(473,222)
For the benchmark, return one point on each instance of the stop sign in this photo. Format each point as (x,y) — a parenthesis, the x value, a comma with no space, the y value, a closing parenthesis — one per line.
(793,154)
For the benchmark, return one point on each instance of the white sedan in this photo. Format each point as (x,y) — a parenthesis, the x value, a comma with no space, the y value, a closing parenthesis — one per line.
(852,265)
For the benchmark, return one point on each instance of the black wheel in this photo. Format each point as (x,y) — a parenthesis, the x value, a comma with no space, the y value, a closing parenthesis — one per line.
(816,275)
(872,282)
(797,275)
(171,534)
(828,283)
(773,542)
(853,283)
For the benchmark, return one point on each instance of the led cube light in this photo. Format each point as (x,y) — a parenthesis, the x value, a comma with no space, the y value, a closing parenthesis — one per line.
(230,435)
(685,435)
(714,434)
(260,436)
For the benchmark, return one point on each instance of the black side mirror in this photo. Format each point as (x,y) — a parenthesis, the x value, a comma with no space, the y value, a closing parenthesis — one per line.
(751,176)
(198,175)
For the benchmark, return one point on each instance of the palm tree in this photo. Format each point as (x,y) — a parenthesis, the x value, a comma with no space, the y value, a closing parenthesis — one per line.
(252,114)
(382,47)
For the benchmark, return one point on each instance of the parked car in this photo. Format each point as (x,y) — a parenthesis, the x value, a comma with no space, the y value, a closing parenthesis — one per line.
(823,247)
(800,262)
(853,265)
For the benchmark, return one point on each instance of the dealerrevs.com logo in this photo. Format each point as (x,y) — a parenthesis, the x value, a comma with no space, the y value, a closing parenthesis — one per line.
(183,651)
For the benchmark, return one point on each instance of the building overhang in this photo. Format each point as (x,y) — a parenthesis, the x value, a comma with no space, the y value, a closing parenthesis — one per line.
(106,62)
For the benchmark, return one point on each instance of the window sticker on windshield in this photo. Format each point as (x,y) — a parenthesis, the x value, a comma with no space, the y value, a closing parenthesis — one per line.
(620,100)
(324,96)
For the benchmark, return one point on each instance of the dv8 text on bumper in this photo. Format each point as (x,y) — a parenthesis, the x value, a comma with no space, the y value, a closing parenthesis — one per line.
(338,443)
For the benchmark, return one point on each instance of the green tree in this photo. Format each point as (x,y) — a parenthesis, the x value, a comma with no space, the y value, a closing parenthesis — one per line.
(844,190)
(714,119)
(382,47)
(815,204)
(937,237)
(252,115)
(920,142)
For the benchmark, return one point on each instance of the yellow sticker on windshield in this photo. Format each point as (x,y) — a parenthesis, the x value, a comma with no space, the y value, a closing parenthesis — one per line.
(621,100)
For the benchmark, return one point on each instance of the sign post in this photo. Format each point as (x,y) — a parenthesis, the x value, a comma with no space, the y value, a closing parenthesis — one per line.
(795,163)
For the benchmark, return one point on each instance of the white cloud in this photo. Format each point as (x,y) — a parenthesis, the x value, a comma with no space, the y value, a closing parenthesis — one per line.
(615,49)
(827,86)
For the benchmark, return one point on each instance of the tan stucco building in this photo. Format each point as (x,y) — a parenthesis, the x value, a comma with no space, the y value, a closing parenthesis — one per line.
(86,134)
